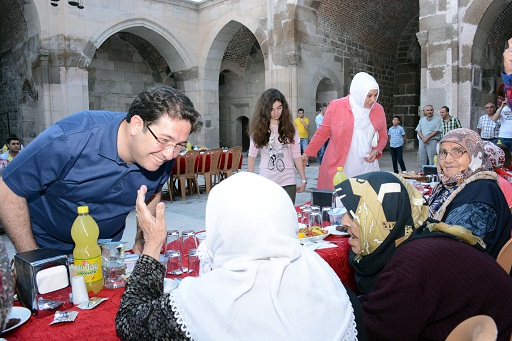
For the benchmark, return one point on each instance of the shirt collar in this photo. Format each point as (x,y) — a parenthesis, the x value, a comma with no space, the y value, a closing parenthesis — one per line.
(109,139)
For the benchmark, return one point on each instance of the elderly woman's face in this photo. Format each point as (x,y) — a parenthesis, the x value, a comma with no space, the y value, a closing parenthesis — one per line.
(451,164)
(353,230)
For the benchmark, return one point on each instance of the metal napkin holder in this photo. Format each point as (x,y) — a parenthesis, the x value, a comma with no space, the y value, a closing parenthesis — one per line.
(27,265)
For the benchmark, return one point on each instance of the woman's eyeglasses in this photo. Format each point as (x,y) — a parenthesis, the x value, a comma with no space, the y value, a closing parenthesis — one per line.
(455,153)
(177,149)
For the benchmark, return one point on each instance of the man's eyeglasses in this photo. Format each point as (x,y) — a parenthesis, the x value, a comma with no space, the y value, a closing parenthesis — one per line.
(455,153)
(177,149)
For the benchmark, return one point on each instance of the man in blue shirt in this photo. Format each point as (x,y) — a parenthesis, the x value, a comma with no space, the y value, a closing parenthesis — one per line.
(99,159)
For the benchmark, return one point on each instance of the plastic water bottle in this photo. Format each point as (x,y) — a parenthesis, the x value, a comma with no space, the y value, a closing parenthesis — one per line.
(87,252)
(189,145)
(339,177)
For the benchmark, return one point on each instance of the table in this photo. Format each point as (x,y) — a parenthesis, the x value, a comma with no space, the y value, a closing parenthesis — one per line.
(99,323)
(94,324)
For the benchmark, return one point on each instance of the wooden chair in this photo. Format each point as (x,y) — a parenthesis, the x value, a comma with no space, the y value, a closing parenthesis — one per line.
(186,174)
(476,328)
(231,162)
(209,167)
(504,258)
(171,187)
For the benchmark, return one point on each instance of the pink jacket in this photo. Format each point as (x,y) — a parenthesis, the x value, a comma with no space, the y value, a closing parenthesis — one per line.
(338,125)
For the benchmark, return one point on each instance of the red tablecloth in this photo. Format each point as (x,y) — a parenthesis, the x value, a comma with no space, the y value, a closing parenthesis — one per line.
(337,258)
(95,324)
(99,323)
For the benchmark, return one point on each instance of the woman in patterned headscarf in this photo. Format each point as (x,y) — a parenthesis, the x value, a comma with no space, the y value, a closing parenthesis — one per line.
(420,279)
(497,159)
(468,193)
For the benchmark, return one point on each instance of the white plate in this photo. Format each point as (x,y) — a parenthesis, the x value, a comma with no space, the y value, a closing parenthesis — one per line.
(169,285)
(313,239)
(20,313)
(332,230)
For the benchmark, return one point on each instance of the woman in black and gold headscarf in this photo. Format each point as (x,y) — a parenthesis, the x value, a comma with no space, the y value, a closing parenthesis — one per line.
(420,278)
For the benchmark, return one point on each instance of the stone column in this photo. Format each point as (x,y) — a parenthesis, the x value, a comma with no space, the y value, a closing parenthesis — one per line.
(293,100)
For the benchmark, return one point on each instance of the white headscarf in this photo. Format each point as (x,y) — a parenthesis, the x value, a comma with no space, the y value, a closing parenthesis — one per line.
(364,131)
(264,285)
(361,85)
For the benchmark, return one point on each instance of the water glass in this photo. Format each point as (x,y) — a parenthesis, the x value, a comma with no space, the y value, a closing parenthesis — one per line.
(188,241)
(172,261)
(193,263)
(172,241)
(315,219)
(326,213)
(306,211)
(113,265)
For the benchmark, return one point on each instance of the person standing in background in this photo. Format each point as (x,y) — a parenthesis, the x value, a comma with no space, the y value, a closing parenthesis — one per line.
(396,141)
(356,125)
(506,75)
(428,129)
(13,148)
(272,131)
(302,124)
(449,122)
(504,116)
(487,128)
(318,120)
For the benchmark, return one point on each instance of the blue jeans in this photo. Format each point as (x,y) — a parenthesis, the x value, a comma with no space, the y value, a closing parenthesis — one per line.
(303,145)
(506,141)
(397,155)
(321,152)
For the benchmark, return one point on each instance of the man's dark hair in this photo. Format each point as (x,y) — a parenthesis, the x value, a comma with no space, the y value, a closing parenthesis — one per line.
(153,103)
(12,138)
(447,109)
(300,109)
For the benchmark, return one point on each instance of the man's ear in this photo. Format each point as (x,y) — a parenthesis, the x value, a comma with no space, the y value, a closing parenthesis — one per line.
(136,124)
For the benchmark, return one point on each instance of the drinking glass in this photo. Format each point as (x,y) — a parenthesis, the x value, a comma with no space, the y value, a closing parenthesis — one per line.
(188,241)
(113,265)
(172,241)
(172,259)
(326,213)
(306,211)
(315,219)
(193,263)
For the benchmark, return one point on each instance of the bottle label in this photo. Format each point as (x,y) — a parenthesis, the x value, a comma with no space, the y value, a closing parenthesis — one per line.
(89,268)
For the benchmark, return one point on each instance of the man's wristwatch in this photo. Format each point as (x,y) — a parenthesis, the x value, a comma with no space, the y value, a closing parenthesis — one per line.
(304,181)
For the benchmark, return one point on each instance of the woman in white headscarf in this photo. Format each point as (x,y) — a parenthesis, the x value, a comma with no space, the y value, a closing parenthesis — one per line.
(356,126)
(263,285)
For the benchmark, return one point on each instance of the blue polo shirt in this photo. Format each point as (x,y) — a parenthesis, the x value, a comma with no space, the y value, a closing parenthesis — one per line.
(73,163)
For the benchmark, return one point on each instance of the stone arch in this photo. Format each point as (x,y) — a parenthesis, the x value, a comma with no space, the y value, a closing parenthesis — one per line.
(477,53)
(325,73)
(227,73)
(171,48)
(406,95)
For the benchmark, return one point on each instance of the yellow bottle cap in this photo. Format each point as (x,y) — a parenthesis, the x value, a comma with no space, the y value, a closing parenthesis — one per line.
(83,209)
(340,169)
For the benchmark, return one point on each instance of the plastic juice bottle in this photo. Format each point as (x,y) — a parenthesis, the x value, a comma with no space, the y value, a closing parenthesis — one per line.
(87,252)
(339,177)
(189,145)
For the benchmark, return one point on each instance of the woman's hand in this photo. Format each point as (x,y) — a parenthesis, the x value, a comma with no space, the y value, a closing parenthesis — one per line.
(304,159)
(373,155)
(301,188)
(153,228)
